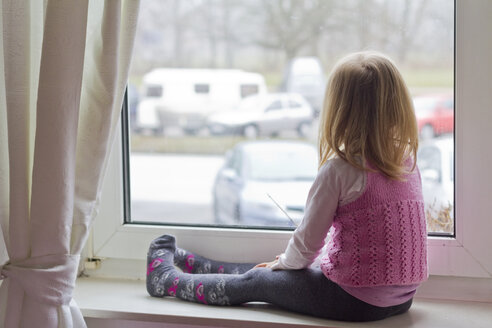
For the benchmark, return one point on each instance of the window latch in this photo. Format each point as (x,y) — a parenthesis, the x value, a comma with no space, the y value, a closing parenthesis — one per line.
(92,263)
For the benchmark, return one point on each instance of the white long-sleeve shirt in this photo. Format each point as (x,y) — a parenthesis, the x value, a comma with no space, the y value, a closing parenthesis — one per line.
(337,183)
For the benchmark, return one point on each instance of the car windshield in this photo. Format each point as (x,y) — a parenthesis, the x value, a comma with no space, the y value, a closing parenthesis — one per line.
(307,81)
(424,105)
(285,163)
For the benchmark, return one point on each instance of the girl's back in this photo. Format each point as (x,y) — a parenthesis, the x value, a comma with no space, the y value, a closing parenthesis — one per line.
(379,239)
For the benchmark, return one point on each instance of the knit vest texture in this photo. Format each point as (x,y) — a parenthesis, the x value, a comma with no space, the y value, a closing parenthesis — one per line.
(379,239)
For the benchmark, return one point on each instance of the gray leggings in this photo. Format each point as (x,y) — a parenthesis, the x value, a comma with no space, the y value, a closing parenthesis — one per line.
(305,291)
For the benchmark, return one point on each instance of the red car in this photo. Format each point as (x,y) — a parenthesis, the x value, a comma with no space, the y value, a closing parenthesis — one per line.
(435,115)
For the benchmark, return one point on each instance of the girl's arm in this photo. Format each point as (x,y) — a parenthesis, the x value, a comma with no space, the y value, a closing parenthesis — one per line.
(309,237)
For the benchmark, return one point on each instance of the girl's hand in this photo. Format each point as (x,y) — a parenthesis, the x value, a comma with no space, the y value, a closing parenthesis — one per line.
(267,264)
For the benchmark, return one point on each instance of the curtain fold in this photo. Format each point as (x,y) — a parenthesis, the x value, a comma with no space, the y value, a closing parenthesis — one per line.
(63,70)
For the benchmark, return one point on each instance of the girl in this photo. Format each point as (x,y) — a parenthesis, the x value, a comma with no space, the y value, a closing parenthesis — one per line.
(367,194)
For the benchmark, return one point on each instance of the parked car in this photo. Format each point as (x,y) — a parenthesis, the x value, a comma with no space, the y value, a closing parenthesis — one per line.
(182,98)
(435,115)
(435,160)
(267,115)
(258,174)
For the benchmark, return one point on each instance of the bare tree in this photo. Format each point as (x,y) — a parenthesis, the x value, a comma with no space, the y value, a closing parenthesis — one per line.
(178,26)
(364,22)
(228,36)
(290,25)
(412,14)
(262,34)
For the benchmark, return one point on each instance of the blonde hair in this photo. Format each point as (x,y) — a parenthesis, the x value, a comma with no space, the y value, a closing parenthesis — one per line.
(368,114)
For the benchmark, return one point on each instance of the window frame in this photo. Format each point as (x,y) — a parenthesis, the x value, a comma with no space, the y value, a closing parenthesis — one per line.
(466,255)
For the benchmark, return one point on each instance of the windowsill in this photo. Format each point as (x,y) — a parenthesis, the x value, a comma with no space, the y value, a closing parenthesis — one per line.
(113,299)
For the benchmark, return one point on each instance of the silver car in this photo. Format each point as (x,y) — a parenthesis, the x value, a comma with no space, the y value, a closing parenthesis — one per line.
(265,183)
(264,115)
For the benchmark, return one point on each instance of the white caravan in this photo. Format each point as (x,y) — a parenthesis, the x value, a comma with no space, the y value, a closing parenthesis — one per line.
(185,97)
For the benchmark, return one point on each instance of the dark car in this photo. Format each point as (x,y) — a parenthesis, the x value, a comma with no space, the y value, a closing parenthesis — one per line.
(261,181)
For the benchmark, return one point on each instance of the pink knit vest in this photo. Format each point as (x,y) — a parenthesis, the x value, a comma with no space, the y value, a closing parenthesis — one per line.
(380,238)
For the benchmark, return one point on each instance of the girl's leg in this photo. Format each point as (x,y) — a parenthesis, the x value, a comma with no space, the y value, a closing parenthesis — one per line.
(164,280)
(194,263)
(308,291)
(304,291)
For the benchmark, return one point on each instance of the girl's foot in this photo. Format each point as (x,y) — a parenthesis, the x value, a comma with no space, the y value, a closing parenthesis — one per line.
(194,263)
(162,277)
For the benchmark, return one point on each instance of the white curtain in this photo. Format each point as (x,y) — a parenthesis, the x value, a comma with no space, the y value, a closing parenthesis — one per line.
(63,71)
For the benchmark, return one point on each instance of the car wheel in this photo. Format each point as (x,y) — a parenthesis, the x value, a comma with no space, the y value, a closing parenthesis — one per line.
(136,130)
(427,132)
(204,132)
(304,129)
(237,213)
(189,131)
(216,212)
(158,131)
(250,131)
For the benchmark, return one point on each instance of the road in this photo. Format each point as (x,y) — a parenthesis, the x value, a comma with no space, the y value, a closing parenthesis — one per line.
(172,188)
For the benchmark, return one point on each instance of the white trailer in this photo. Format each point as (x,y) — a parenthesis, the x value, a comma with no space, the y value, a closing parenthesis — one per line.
(185,97)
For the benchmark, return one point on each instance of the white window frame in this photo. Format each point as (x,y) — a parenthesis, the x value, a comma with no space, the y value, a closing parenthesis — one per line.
(467,255)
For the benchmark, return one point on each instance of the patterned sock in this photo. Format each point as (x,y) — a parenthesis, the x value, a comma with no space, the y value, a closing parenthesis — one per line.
(163,279)
(194,263)
(160,267)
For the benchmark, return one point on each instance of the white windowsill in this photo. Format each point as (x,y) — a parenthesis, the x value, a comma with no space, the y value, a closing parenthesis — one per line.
(113,299)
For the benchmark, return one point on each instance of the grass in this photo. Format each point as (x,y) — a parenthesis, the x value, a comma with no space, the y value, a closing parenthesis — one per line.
(435,78)
(418,80)
(201,145)
(439,219)
(183,145)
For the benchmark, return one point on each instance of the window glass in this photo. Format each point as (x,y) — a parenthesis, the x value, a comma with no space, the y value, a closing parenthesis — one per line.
(291,163)
(277,104)
(153,91)
(294,104)
(204,72)
(248,90)
(202,88)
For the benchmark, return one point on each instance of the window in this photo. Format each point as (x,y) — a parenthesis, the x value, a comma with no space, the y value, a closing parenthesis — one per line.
(276,105)
(249,89)
(294,104)
(464,255)
(229,54)
(202,88)
(153,91)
